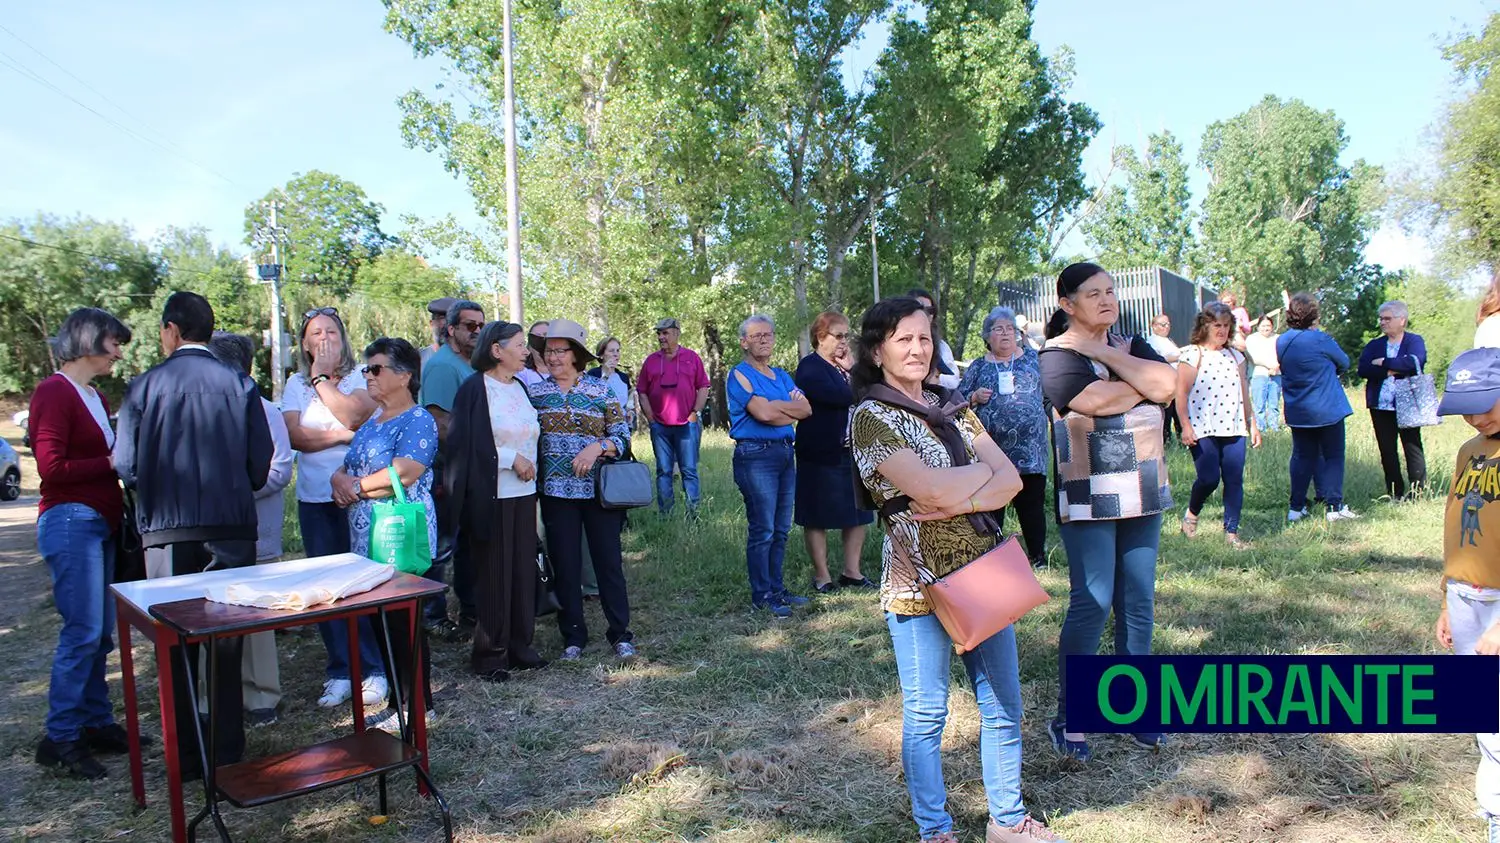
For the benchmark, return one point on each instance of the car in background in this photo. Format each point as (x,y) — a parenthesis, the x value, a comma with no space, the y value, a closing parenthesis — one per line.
(10,472)
(23,421)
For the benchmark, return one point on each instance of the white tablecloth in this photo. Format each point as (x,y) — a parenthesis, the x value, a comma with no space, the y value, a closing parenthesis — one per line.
(322,578)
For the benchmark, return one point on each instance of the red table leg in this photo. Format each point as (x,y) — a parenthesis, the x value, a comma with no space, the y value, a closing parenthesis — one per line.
(166,640)
(132,714)
(418,703)
(356,675)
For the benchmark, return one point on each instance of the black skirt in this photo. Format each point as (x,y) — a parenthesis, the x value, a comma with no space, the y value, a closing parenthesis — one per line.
(825,496)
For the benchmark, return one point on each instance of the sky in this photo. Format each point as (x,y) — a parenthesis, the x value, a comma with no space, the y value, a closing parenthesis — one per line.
(178,113)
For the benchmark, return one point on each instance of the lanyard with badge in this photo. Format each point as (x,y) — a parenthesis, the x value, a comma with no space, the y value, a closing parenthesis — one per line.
(1005,378)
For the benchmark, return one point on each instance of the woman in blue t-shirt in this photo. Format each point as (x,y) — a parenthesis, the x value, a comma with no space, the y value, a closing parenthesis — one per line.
(764,408)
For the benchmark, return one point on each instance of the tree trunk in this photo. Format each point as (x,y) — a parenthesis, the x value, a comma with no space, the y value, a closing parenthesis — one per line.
(799,291)
(964,313)
(713,352)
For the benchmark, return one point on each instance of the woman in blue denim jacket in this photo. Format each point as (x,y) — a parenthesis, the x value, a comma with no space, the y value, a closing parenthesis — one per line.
(1316,407)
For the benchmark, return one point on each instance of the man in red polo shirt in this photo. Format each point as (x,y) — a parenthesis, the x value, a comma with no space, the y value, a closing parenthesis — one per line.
(674,389)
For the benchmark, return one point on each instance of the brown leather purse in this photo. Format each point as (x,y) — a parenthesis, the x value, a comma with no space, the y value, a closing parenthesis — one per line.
(983,597)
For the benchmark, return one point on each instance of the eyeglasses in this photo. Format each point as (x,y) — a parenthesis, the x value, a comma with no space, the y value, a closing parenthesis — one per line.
(320,311)
(373,370)
(761,337)
(839,335)
(1003,329)
(556,352)
(471,326)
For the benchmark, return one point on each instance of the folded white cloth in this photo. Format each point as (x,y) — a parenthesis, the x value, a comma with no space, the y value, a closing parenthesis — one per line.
(304,589)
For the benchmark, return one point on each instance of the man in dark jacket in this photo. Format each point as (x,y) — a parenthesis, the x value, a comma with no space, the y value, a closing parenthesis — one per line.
(194,443)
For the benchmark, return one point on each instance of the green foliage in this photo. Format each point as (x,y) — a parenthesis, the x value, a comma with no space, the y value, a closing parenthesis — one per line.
(331,230)
(1282,212)
(1148,220)
(81,263)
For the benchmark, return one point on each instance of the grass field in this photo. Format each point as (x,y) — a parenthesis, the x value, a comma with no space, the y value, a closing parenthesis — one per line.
(735,728)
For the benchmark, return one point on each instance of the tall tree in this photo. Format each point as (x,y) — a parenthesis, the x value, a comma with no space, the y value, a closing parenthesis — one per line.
(332,228)
(1461,194)
(1282,212)
(1148,220)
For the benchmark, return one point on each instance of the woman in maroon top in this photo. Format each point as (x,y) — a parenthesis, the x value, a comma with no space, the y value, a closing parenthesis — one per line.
(78,516)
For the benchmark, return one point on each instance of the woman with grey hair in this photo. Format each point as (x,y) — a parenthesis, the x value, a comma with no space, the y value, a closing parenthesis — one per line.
(764,408)
(1387,359)
(79,513)
(324,403)
(1005,389)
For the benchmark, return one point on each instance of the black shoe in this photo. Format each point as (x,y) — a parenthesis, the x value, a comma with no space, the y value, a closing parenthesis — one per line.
(70,757)
(258,717)
(825,588)
(846,581)
(447,630)
(537,664)
(496,675)
(111,739)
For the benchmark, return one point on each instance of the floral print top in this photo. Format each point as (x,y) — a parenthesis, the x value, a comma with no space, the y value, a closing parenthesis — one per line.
(1016,421)
(411,435)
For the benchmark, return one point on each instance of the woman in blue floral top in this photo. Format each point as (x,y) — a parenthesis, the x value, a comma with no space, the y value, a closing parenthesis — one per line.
(581,423)
(404,436)
(1005,389)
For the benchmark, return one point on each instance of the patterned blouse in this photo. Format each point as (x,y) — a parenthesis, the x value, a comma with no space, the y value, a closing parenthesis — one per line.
(1016,421)
(942,547)
(411,435)
(571,421)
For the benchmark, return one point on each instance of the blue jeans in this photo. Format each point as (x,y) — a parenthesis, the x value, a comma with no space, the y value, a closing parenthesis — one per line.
(1111,564)
(676,444)
(766,475)
(1318,455)
(75,541)
(922,652)
(325,531)
(1265,397)
(1215,457)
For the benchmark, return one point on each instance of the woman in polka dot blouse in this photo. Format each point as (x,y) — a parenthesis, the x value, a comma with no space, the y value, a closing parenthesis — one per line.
(1213,403)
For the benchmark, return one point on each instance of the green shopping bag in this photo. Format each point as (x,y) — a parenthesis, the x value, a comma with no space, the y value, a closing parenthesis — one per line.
(398,532)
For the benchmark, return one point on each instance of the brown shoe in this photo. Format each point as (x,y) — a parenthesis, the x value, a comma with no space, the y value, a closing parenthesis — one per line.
(1028,830)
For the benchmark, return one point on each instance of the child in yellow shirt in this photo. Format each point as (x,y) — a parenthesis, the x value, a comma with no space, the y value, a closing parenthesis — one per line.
(1469,623)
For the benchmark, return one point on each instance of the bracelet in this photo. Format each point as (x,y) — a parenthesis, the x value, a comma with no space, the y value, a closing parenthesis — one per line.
(973,506)
(317,379)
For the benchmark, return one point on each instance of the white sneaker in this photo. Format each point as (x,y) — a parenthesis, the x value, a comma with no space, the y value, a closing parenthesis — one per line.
(1343,513)
(1295,515)
(572,654)
(374,689)
(336,692)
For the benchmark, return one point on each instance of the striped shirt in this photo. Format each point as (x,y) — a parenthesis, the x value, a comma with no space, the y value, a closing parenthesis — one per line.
(570,422)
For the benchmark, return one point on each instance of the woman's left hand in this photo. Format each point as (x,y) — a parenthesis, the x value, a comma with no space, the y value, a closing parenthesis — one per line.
(1254,437)
(325,358)
(920,513)
(345,488)
(584,462)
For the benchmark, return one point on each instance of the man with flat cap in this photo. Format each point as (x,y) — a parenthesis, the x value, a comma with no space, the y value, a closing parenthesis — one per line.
(437,320)
(673,386)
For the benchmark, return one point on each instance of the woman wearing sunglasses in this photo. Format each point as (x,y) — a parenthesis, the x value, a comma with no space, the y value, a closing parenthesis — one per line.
(323,404)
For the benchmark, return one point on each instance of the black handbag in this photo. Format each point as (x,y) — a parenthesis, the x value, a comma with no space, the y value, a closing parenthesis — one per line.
(130,551)
(624,484)
(546,598)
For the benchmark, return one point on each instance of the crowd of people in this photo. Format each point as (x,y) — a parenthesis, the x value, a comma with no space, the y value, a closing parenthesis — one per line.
(499,432)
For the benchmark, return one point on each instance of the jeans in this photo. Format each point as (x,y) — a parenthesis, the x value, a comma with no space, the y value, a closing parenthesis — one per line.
(1318,455)
(1111,564)
(1216,456)
(766,475)
(1471,611)
(923,649)
(325,531)
(567,521)
(75,542)
(1386,435)
(1265,397)
(676,444)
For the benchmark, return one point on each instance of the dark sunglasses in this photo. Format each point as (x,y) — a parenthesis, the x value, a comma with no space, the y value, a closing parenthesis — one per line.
(320,311)
(373,370)
(470,326)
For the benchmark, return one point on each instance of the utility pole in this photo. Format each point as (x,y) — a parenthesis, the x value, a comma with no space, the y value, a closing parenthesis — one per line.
(271,274)
(512,190)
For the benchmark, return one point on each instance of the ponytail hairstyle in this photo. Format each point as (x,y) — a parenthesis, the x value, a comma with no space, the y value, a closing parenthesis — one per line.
(1073,276)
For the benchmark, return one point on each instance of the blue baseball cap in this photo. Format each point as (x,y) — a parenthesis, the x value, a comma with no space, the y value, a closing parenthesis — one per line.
(1473,386)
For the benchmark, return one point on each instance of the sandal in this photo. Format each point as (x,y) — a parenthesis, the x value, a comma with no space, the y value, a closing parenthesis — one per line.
(1234,541)
(1189,524)
(825,588)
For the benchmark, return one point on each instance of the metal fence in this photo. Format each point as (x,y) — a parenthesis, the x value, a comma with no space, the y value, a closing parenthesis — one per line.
(1142,294)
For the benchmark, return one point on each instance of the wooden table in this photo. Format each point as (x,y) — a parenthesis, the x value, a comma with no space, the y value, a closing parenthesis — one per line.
(159,609)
